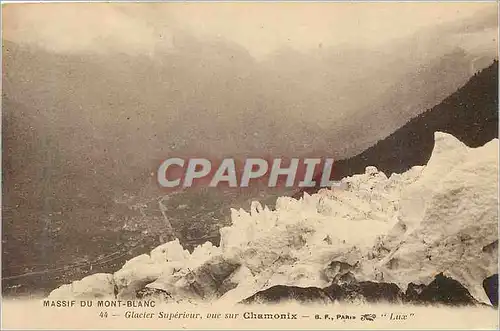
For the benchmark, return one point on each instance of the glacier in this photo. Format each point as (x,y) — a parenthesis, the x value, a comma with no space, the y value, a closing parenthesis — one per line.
(441,218)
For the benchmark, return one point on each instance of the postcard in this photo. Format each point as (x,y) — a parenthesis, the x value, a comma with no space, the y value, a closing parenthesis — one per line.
(250,165)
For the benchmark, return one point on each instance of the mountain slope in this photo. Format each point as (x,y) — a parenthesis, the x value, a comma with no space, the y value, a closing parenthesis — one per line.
(470,114)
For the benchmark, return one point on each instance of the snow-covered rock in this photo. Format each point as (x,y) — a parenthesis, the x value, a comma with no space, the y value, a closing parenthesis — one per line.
(135,274)
(169,252)
(91,287)
(409,227)
(448,226)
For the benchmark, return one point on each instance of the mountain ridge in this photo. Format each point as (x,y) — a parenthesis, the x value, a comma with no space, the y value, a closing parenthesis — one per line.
(470,114)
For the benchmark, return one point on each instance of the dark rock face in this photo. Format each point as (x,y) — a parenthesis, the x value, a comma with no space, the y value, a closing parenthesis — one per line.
(442,290)
(446,291)
(348,289)
(281,293)
(381,292)
(413,292)
(365,292)
(470,114)
(490,286)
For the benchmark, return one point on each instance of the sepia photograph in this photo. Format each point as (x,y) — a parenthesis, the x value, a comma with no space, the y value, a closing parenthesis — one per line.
(250,165)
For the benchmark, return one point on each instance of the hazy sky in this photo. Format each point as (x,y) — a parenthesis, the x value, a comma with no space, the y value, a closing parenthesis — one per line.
(260,27)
